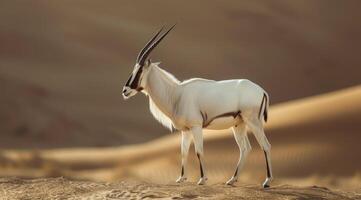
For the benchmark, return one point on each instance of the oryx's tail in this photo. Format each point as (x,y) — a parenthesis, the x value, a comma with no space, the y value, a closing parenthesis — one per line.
(264,107)
(265,112)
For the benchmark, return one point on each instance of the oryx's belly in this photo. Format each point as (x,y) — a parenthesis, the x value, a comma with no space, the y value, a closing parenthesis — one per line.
(223,122)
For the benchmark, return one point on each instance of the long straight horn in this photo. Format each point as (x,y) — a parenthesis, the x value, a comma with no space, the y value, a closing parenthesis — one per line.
(151,47)
(147,45)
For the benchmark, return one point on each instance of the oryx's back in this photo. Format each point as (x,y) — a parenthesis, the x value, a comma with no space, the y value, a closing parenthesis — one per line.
(236,93)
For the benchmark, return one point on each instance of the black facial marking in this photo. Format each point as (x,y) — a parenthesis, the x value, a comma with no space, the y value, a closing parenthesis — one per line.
(128,81)
(200,165)
(268,170)
(135,83)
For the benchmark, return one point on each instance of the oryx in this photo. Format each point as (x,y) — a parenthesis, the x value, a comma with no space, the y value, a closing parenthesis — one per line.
(194,104)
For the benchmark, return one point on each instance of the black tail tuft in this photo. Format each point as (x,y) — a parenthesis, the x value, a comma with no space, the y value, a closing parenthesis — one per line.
(264,104)
(265,112)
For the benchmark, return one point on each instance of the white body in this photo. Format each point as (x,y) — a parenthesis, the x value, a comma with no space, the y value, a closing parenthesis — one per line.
(195,104)
(181,104)
(192,105)
(215,98)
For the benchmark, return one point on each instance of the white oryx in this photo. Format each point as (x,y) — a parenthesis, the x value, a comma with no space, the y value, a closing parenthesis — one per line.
(194,104)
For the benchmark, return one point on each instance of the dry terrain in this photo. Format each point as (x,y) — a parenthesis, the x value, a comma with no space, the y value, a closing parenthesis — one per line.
(61,188)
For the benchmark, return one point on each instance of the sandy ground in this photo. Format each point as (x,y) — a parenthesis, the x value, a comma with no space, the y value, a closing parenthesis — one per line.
(62,188)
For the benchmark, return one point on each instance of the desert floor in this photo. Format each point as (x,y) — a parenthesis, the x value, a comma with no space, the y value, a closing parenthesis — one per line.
(62,188)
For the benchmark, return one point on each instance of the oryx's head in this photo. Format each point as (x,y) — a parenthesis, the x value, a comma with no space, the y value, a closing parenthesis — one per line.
(136,81)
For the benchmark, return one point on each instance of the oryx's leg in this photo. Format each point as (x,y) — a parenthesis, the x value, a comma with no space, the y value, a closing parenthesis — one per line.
(240,135)
(256,127)
(198,145)
(186,141)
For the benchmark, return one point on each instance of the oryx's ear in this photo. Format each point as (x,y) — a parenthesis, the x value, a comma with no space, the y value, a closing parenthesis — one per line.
(148,62)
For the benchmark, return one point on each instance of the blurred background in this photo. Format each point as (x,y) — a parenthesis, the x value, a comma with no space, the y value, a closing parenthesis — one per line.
(63,65)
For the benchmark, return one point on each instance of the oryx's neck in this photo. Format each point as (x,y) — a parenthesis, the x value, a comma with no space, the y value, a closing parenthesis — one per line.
(163,91)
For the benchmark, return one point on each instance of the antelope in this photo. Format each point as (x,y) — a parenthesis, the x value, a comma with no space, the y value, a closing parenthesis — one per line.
(194,104)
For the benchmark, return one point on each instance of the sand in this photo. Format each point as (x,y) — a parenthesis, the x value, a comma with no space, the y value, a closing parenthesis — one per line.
(62,188)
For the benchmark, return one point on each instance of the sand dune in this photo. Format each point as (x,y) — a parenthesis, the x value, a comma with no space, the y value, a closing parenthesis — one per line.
(81,53)
(316,109)
(306,146)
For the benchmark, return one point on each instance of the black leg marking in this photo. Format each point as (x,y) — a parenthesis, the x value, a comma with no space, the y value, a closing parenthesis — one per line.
(200,165)
(236,172)
(182,172)
(268,170)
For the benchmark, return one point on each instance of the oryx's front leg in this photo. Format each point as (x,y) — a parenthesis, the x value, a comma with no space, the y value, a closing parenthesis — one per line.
(186,141)
(240,135)
(198,145)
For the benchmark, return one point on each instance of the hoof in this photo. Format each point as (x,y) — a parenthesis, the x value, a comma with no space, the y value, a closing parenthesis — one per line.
(267,182)
(231,181)
(181,179)
(202,181)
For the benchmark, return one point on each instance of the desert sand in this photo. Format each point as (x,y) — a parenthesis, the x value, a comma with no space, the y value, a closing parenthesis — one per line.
(61,188)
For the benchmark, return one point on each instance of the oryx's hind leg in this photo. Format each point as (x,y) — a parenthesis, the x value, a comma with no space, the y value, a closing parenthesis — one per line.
(256,126)
(186,141)
(198,145)
(240,135)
